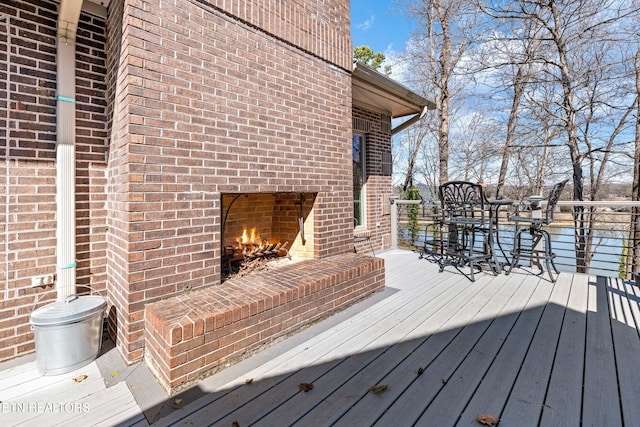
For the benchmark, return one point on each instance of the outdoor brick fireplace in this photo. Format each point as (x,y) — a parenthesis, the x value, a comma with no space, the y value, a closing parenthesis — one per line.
(200,331)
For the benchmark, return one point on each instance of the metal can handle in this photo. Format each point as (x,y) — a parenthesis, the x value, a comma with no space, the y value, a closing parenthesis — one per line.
(71,298)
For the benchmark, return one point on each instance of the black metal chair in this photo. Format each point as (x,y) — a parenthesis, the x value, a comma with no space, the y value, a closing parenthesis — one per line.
(467,230)
(432,245)
(525,221)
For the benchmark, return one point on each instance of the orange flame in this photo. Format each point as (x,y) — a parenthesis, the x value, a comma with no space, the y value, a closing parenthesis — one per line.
(251,238)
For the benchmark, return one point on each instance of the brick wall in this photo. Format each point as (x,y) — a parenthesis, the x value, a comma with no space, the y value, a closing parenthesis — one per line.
(319,27)
(205,104)
(27,161)
(377,129)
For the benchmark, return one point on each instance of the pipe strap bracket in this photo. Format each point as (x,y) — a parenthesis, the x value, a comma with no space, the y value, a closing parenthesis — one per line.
(67,266)
(65,99)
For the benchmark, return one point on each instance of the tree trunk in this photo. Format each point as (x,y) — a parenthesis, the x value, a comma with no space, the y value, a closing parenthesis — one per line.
(571,129)
(443,124)
(518,89)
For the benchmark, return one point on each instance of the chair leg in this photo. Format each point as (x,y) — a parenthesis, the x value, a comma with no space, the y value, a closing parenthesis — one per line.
(469,244)
(548,255)
(493,259)
(516,251)
(550,251)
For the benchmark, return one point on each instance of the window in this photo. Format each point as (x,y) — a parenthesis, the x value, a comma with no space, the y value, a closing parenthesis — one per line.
(359,178)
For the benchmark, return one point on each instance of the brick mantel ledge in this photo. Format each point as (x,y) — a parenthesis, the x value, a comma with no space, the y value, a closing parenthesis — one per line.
(196,334)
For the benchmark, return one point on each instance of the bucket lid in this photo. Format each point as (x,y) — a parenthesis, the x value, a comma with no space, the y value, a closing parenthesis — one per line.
(70,310)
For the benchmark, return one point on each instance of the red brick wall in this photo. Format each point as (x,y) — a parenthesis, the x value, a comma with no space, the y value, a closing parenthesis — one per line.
(204,104)
(319,27)
(377,129)
(27,161)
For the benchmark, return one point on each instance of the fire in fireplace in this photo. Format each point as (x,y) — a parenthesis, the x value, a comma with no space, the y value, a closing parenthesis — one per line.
(258,227)
(249,249)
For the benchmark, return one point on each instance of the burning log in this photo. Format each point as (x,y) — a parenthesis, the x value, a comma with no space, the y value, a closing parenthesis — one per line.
(275,250)
(245,258)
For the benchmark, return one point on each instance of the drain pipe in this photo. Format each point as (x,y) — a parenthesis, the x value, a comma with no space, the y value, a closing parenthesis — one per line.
(68,17)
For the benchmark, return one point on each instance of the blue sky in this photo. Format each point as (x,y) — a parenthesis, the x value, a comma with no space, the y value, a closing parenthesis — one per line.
(379,24)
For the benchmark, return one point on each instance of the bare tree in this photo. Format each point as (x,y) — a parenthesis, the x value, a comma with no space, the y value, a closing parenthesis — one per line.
(446,30)
(576,58)
(523,66)
(475,149)
(415,137)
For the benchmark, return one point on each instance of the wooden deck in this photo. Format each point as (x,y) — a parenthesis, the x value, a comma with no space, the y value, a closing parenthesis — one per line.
(515,347)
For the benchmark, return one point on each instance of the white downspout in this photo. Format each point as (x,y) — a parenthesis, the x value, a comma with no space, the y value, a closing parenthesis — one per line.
(68,17)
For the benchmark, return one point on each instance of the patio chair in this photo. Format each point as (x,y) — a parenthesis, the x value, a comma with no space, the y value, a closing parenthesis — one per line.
(467,231)
(432,245)
(526,222)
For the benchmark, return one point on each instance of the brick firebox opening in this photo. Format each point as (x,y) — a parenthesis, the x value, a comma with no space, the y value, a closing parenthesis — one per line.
(249,220)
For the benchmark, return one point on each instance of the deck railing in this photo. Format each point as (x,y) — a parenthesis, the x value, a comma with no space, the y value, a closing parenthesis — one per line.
(600,236)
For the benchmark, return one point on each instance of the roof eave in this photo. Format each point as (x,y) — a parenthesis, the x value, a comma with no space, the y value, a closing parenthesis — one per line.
(391,88)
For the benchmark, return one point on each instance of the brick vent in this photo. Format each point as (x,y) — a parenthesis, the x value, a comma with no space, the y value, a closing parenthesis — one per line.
(196,334)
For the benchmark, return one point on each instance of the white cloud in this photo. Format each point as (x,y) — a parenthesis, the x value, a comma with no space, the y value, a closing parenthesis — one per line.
(366,24)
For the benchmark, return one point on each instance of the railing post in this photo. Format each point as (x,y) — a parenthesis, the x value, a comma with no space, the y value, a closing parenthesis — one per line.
(394,222)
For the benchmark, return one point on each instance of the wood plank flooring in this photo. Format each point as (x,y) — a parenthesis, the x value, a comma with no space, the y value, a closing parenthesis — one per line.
(515,347)
(29,399)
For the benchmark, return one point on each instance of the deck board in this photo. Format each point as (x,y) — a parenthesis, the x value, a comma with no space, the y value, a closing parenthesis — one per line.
(564,396)
(601,404)
(526,398)
(627,348)
(436,356)
(492,393)
(357,387)
(59,400)
(379,352)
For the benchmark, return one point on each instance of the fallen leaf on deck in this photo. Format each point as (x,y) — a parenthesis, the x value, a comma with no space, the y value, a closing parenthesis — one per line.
(177,401)
(115,374)
(235,424)
(305,387)
(420,371)
(377,389)
(488,420)
(248,381)
(80,378)
(444,381)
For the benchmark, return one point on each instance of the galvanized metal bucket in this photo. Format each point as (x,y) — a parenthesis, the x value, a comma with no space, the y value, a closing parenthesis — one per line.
(68,333)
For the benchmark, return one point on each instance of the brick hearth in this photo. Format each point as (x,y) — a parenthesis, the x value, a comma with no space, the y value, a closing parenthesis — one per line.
(197,333)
